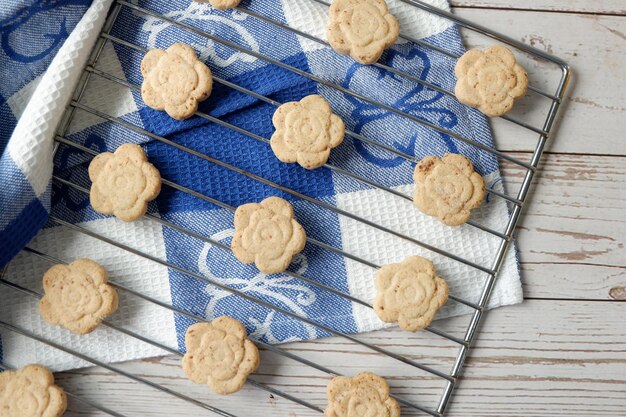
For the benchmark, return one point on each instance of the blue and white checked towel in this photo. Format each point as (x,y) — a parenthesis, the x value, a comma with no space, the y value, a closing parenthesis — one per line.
(43,45)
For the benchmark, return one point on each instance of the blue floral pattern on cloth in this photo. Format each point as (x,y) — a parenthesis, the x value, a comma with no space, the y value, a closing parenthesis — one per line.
(215,181)
(31,33)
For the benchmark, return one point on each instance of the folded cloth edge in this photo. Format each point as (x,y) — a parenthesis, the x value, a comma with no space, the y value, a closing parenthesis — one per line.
(31,144)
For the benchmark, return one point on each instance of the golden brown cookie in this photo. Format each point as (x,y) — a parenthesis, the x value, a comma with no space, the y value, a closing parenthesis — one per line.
(448,188)
(490,80)
(267,234)
(306,131)
(77,296)
(221,4)
(30,392)
(409,293)
(366,394)
(175,80)
(123,182)
(362,29)
(219,355)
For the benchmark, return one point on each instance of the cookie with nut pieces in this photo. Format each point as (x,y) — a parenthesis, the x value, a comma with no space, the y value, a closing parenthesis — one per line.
(31,392)
(77,296)
(366,394)
(448,188)
(409,293)
(306,131)
(490,80)
(175,80)
(123,182)
(362,29)
(219,355)
(267,234)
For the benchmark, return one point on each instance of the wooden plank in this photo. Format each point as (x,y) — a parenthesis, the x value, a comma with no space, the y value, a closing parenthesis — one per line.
(573,281)
(547,358)
(581,6)
(540,358)
(574,227)
(593,46)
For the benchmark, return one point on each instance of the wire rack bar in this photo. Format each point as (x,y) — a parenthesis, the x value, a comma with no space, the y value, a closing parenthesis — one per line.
(255,300)
(272,348)
(112,368)
(108,323)
(479,307)
(5,367)
(322,81)
(469,25)
(256,137)
(313,282)
(93,57)
(225,247)
(268,100)
(513,220)
(385,67)
(271,183)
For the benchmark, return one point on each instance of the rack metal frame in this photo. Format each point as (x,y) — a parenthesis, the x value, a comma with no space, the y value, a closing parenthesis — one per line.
(515,203)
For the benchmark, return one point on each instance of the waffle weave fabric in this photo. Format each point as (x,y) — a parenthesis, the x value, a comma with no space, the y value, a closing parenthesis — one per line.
(32,104)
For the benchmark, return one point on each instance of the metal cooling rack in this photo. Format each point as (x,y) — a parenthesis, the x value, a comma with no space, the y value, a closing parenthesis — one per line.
(516,202)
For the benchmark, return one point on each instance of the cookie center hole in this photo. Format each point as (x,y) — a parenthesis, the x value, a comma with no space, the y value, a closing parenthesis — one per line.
(362,407)
(268,231)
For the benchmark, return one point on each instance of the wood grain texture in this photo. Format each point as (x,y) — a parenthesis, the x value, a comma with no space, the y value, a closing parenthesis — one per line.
(594,46)
(574,227)
(559,358)
(542,358)
(616,7)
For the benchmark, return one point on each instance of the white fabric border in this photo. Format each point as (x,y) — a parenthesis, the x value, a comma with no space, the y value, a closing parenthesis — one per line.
(465,241)
(134,272)
(30,145)
(311,17)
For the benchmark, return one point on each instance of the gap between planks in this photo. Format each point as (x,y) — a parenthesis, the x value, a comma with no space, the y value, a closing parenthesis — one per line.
(606,7)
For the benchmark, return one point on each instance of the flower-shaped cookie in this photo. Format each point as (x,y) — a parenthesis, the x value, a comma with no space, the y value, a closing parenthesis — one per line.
(30,392)
(306,131)
(267,234)
(219,355)
(123,182)
(490,80)
(175,80)
(77,296)
(448,188)
(365,395)
(409,293)
(221,4)
(362,29)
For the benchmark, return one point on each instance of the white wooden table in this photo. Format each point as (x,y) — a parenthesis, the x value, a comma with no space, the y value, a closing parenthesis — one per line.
(561,352)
